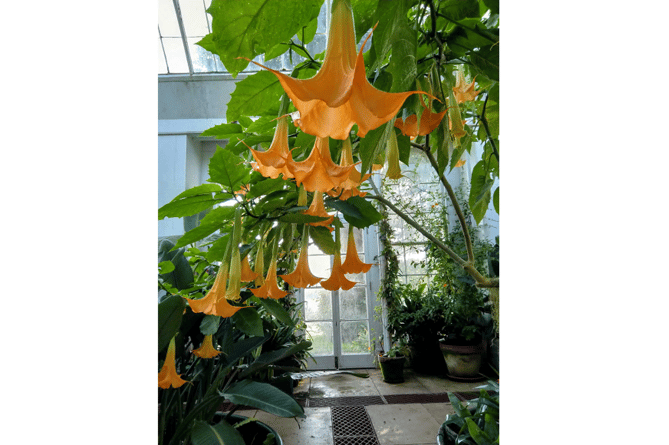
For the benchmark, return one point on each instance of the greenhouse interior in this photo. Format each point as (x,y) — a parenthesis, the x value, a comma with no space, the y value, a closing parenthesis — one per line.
(328,222)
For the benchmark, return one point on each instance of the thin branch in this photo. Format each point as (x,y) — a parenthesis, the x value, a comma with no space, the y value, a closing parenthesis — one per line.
(487,130)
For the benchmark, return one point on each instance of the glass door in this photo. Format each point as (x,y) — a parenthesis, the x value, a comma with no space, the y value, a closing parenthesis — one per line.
(341,324)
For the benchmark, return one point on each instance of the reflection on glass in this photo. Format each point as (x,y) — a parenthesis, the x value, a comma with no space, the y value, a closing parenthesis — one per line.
(203,60)
(354,337)
(320,334)
(353,303)
(317,304)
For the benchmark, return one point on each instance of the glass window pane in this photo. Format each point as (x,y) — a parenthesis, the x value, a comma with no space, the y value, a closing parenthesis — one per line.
(167,19)
(203,60)
(414,256)
(317,304)
(353,303)
(162,65)
(320,334)
(194,18)
(354,337)
(176,56)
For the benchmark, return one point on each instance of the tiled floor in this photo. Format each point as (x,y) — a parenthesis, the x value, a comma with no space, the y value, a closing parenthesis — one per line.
(393,419)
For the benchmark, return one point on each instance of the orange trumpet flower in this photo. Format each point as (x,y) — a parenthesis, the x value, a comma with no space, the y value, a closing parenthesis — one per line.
(337,278)
(272,163)
(247,273)
(339,95)
(318,172)
(393,156)
(428,122)
(317,208)
(168,374)
(270,289)
(206,350)
(302,277)
(349,187)
(352,264)
(464,92)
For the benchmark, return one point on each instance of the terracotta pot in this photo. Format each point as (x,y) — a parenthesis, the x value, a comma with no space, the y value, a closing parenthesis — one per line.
(463,360)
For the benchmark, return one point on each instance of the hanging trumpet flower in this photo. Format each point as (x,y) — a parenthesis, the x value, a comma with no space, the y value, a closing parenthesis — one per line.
(318,173)
(235,283)
(168,375)
(393,156)
(271,289)
(349,187)
(272,163)
(247,273)
(206,350)
(302,277)
(464,92)
(428,121)
(352,264)
(339,95)
(337,278)
(317,208)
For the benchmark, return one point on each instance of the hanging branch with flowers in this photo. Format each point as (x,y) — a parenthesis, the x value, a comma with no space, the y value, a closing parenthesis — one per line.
(321,133)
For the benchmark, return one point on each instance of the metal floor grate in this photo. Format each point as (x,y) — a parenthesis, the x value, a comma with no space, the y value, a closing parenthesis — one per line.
(351,425)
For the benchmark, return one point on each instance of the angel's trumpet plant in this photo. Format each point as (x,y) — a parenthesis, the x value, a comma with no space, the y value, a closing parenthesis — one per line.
(349,187)
(317,208)
(428,121)
(339,95)
(393,156)
(337,278)
(352,264)
(235,279)
(272,163)
(271,289)
(206,350)
(302,277)
(318,173)
(464,92)
(168,375)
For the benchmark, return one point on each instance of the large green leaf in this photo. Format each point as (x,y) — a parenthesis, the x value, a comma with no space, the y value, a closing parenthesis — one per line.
(402,64)
(479,194)
(256,95)
(374,142)
(323,239)
(228,169)
(190,205)
(248,321)
(267,358)
(181,276)
(358,211)
(220,434)
(170,313)
(223,131)
(209,324)
(363,11)
(459,9)
(265,397)
(251,27)
(495,200)
(275,308)
(216,219)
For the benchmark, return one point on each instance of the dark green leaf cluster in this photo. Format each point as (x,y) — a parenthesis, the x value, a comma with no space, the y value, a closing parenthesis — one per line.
(475,424)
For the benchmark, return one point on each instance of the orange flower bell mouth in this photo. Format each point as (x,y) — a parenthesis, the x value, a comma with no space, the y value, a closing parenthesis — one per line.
(339,95)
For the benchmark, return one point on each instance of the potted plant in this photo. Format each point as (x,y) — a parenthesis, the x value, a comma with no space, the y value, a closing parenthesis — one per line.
(196,378)
(416,317)
(392,364)
(475,424)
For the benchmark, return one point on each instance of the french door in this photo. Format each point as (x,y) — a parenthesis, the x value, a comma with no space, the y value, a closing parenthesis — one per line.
(342,324)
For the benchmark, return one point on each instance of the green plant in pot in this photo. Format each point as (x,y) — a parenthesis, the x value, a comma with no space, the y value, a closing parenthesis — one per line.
(474,424)
(392,362)
(416,316)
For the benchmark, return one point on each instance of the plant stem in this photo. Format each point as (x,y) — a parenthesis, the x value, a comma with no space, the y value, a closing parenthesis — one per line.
(487,130)
(454,201)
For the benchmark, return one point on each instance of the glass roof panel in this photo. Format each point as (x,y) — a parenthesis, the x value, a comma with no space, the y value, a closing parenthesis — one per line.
(194,18)
(162,65)
(167,19)
(176,56)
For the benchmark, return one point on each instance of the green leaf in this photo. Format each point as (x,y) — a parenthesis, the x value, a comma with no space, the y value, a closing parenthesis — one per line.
(266,186)
(389,14)
(480,437)
(220,434)
(204,189)
(267,358)
(374,142)
(248,321)
(358,212)
(275,308)
(479,194)
(228,169)
(217,249)
(459,9)
(265,397)
(214,220)
(249,28)
(223,130)
(209,324)
(495,200)
(363,11)
(490,428)
(257,95)
(182,275)
(404,146)
(402,64)
(493,5)
(323,239)
(170,313)
(165,267)
(191,205)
